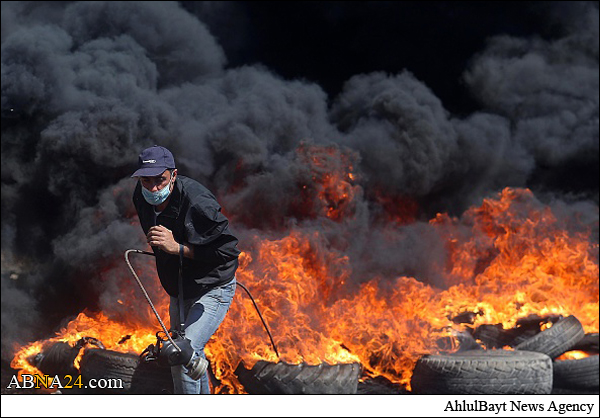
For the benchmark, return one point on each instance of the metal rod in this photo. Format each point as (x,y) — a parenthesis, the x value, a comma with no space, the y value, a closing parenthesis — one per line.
(139,282)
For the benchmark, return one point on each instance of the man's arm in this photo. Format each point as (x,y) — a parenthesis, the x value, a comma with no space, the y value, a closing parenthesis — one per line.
(188,250)
(208,235)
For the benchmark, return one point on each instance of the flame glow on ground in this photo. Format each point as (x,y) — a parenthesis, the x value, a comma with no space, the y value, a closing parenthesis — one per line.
(506,259)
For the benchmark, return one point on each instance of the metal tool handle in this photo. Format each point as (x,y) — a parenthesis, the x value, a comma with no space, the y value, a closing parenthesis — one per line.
(139,282)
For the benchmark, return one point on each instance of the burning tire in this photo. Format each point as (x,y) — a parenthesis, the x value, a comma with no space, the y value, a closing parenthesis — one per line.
(576,374)
(57,359)
(290,379)
(589,342)
(379,385)
(494,336)
(483,372)
(554,341)
(138,377)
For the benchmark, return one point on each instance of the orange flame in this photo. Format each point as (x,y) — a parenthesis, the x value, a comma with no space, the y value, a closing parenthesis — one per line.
(332,179)
(514,262)
(573,355)
(125,330)
(507,259)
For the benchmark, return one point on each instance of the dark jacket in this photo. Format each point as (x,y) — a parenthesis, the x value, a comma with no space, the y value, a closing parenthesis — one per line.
(194,216)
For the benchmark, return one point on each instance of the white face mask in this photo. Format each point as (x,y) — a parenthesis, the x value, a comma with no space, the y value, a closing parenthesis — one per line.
(157,197)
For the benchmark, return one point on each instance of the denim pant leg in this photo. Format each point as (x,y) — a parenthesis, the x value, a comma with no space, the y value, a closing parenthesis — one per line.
(203,316)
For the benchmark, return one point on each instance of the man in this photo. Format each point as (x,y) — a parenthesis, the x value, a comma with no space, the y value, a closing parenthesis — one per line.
(181,217)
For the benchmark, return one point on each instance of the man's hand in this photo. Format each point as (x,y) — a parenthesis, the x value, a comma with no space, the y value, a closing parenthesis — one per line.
(162,237)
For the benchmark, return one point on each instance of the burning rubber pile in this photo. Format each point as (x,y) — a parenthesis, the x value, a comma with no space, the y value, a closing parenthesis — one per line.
(392,244)
(540,355)
(558,359)
(516,297)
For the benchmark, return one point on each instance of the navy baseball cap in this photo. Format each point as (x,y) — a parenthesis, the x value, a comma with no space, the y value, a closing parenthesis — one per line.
(154,161)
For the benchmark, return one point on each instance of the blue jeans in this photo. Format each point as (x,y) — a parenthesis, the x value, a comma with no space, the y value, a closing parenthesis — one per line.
(203,315)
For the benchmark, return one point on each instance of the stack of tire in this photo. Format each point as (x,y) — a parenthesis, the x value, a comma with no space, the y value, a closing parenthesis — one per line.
(578,376)
(136,376)
(532,367)
(139,377)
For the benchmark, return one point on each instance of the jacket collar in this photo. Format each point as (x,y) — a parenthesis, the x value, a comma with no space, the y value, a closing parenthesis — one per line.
(172,209)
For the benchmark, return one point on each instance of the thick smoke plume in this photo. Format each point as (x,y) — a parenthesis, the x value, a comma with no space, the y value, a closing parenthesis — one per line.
(87,85)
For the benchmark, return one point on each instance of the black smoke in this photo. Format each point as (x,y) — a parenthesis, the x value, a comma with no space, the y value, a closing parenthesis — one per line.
(87,85)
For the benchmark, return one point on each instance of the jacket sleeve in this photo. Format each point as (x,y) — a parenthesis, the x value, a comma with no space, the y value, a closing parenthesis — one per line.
(206,229)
